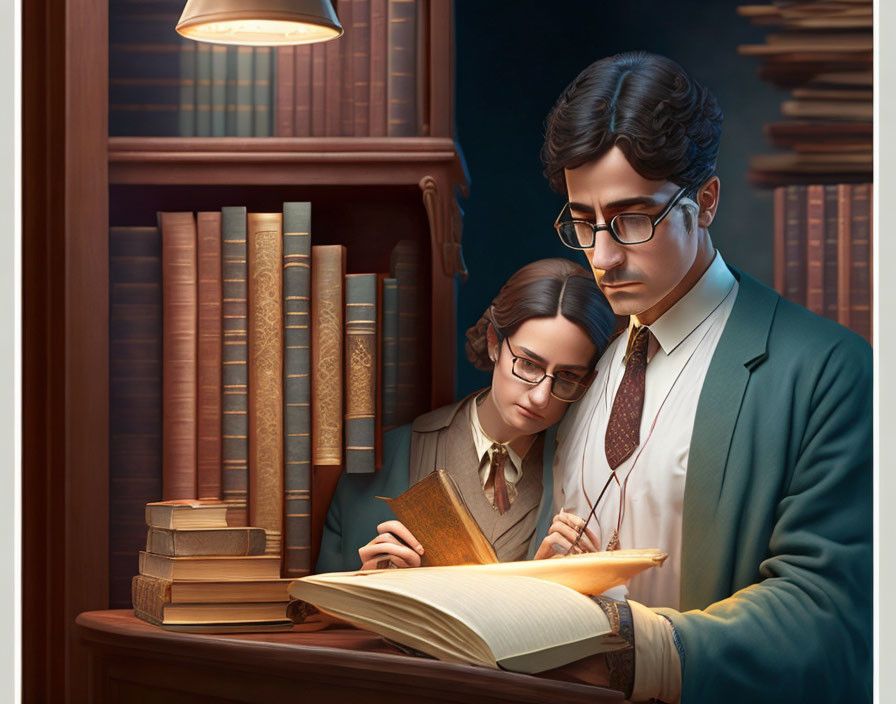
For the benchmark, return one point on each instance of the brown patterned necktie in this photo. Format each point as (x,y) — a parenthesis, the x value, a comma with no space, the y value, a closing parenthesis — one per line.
(624,428)
(499,455)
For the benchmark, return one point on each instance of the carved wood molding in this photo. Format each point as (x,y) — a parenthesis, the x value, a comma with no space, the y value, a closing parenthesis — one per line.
(446,226)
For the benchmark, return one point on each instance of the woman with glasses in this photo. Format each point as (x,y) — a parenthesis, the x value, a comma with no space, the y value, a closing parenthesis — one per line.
(540,338)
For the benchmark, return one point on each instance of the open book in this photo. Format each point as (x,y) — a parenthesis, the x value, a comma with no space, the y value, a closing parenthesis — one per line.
(522,616)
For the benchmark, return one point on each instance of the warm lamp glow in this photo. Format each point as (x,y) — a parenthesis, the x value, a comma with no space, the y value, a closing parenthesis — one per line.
(259,22)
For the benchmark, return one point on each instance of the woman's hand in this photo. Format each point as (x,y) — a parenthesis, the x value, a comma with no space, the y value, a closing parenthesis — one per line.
(563,533)
(394,544)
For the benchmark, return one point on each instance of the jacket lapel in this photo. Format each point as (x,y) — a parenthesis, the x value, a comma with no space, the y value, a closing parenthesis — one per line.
(742,347)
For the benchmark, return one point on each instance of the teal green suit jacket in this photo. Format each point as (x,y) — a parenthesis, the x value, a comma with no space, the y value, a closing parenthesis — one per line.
(354,513)
(776,565)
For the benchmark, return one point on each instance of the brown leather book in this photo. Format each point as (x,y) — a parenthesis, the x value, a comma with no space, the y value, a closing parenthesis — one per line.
(379,47)
(815,248)
(179,343)
(302,101)
(360,67)
(285,92)
(346,44)
(152,599)
(208,443)
(318,89)
(860,284)
(844,251)
(333,87)
(434,511)
(327,309)
(185,513)
(795,244)
(187,542)
(210,567)
(265,232)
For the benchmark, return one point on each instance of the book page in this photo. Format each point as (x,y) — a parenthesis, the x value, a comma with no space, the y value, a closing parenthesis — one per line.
(529,625)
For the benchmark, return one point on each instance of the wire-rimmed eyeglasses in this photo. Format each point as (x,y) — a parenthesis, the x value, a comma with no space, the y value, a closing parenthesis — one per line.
(625,228)
(563,388)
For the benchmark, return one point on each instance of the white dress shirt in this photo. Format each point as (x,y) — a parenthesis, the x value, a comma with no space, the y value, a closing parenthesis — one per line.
(513,465)
(651,482)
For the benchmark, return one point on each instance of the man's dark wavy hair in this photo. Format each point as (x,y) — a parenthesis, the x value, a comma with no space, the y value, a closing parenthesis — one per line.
(666,123)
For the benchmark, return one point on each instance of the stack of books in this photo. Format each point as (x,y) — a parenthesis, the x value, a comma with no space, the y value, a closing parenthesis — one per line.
(199,574)
(822,53)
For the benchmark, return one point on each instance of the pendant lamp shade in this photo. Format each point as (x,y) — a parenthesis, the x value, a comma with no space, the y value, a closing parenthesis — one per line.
(259,22)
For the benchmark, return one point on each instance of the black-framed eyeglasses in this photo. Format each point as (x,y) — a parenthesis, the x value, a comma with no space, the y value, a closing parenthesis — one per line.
(563,388)
(625,228)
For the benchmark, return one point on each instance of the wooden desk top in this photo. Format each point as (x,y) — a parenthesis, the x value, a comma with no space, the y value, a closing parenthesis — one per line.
(332,659)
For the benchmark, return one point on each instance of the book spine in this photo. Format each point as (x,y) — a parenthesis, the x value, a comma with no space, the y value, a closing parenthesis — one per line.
(327,307)
(208,451)
(378,393)
(262,93)
(230,93)
(860,246)
(815,249)
(402,81)
(265,232)
(297,387)
(421,73)
(327,298)
(187,108)
(795,244)
(379,45)
(333,88)
(360,373)
(285,91)
(390,354)
(179,305)
(779,248)
(346,45)
(219,90)
(149,595)
(235,355)
(144,83)
(830,252)
(244,89)
(319,90)
(303,90)
(360,63)
(844,251)
(135,396)
(405,268)
(203,89)
(196,543)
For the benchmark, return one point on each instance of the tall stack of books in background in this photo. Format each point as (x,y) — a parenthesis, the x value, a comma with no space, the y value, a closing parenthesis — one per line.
(821,52)
(369,82)
(197,573)
(247,367)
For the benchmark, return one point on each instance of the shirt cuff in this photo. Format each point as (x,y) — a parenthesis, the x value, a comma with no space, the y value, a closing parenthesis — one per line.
(658,670)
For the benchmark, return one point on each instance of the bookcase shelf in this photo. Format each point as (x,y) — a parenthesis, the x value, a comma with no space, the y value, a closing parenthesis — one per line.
(273,160)
(77,181)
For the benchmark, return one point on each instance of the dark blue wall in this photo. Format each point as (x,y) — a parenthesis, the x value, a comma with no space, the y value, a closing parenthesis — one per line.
(514,57)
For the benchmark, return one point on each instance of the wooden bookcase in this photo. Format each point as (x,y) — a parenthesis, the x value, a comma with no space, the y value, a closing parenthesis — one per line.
(76,183)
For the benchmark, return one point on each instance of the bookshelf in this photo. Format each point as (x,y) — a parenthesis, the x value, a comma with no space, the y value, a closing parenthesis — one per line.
(78,181)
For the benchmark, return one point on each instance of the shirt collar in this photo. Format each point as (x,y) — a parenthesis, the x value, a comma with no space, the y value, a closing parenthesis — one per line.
(673,326)
(483,442)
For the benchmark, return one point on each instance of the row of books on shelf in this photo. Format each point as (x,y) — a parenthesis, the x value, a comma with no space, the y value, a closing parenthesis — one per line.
(822,53)
(200,574)
(246,366)
(823,251)
(369,82)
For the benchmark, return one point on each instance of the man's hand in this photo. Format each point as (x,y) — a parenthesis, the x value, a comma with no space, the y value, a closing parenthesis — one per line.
(394,543)
(563,533)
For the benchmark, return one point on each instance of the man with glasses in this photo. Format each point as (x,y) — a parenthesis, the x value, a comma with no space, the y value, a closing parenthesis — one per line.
(727,426)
